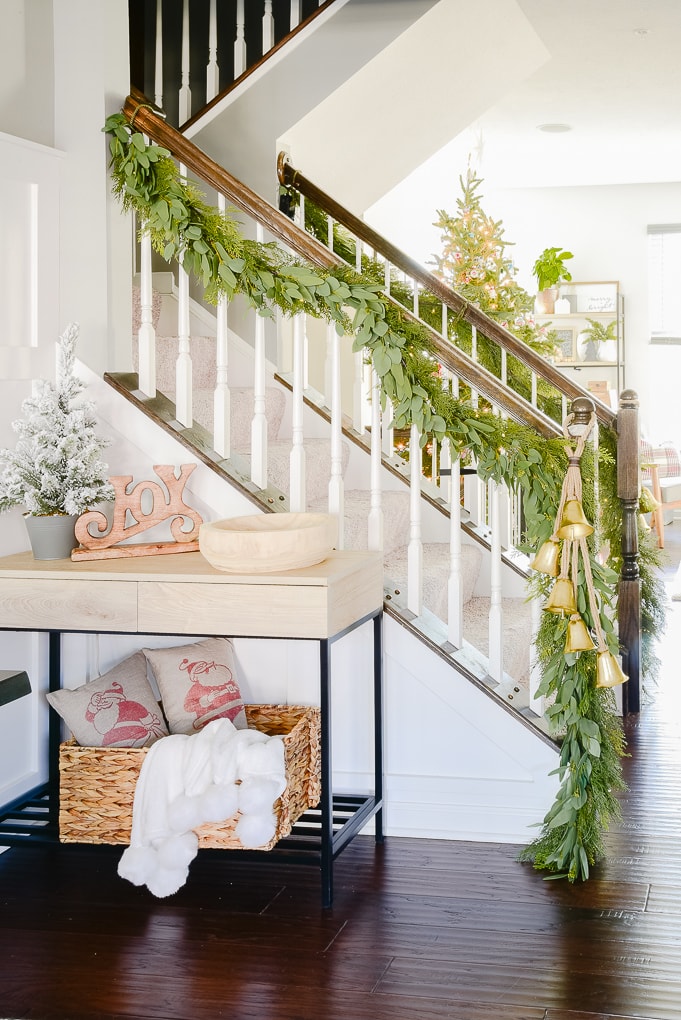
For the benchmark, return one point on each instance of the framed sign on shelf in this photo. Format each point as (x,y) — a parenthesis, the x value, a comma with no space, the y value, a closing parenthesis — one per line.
(565,349)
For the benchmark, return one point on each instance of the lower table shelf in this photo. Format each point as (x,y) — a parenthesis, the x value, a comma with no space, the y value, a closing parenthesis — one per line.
(28,821)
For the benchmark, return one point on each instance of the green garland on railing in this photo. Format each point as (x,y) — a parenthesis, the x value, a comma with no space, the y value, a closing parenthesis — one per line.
(459,331)
(209,245)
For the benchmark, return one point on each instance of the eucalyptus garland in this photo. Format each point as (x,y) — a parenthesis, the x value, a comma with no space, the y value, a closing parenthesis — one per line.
(208,244)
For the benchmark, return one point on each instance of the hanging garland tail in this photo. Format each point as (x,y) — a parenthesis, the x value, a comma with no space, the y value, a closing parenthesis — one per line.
(209,245)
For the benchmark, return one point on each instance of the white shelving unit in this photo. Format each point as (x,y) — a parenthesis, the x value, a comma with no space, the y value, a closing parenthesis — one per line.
(596,369)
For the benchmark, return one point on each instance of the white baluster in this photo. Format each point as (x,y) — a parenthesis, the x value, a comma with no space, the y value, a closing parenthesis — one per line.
(474,356)
(504,366)
(533,394)
(240,41)
(415,547)
(297,459)
(536,702)
(563,407)
(505,517)
(473,498)
(388,432)
(328,364)
(358,392)
(336,483)
(158,56)
(455,581)
(295,14)
(146,337)
(185,109)
(416,296)
(434,473)
(222,398)
(387,278)
(267,28)
(375,523)
(366,394)
(183,365)
(212,69)
(259,421)
(444,327)
(496,620)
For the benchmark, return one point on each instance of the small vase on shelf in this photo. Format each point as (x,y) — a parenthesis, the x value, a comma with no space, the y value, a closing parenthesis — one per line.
(546,300)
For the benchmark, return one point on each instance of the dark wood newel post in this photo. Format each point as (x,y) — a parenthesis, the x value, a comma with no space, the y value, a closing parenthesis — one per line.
(629,598)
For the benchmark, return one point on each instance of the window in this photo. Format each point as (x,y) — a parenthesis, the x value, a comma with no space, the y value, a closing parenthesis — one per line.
(664,282)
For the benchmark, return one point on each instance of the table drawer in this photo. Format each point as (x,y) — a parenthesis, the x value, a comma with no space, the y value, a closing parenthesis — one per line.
(46,604)
(274,610)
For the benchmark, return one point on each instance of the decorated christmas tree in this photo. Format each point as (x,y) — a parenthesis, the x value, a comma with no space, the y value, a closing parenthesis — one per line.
(474,261)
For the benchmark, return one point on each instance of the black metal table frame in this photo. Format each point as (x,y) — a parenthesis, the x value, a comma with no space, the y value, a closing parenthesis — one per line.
(303,845)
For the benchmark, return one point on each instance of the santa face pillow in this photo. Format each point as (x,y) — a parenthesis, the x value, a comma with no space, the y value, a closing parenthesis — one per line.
(198,683)
(116,710)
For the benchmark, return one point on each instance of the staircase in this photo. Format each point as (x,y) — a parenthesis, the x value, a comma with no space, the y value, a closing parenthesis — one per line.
(454,588)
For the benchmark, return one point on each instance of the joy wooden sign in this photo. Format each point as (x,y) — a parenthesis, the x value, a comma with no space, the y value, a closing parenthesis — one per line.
(99,540)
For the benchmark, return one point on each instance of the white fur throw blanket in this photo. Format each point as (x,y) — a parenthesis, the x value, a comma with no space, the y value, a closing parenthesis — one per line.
(188,780)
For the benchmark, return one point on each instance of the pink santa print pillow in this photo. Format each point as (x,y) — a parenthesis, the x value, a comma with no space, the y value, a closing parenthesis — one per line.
(198,683)
(118,709)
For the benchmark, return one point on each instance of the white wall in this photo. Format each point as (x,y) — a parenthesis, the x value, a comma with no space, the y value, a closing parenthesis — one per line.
(26,70)
(91,80)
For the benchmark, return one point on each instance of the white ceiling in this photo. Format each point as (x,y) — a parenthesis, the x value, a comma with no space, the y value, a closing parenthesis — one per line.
(613,74)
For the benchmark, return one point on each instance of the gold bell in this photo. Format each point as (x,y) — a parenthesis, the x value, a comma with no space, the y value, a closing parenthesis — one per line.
(546,560)
(643,524)
(562,597)
(578,637)
(608,671)
(573,523)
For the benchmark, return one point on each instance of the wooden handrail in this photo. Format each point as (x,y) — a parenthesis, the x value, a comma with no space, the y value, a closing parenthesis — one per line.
(291,177)
(149,119)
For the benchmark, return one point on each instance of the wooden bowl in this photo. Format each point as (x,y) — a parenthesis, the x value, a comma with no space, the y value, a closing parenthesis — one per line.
(263,543)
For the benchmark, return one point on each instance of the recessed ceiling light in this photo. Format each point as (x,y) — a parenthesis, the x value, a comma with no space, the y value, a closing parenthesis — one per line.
(554,129)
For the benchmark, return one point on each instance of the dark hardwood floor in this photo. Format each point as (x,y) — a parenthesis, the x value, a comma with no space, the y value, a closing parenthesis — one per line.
(419,929)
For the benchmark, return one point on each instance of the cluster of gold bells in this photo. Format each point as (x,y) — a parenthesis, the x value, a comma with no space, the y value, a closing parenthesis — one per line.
(559,557)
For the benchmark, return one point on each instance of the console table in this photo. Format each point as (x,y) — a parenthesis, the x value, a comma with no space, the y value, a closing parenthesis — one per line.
(182,594)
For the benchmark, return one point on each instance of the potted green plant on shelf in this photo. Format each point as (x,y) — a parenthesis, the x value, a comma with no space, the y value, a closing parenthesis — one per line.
(55,471)
(598,342)
(550,270)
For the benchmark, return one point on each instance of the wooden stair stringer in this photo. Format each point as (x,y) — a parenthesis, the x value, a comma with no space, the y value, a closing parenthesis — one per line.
(161,410)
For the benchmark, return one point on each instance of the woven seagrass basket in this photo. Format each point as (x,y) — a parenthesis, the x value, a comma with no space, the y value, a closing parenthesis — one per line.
(97,784)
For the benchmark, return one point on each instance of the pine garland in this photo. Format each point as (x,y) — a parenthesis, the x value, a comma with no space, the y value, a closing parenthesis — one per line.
(209,245)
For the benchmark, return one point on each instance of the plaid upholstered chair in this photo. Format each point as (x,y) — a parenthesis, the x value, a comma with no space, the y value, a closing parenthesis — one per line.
(661,473)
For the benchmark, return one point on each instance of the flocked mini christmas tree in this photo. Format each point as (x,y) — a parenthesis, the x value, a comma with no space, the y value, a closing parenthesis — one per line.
(56,467)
